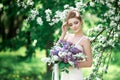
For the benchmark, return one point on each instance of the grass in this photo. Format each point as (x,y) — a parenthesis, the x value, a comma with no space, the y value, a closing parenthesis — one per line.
(13,69)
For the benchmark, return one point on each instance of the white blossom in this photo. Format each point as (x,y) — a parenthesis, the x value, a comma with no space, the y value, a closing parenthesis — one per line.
(111,12)
(55,58)
(78,4)
(66,6)
(60,54)
(110,42)
(34,42)
(71,63)
(51,24)
(98,28)
(1,5)
(117,18)
(48,11)
(109,5)
(106,14)
(92,4)
(97,78)
(48,18)
(102,39)
(113,24)
(46,59)
(33,14)
(30,2)
(92,38)
(119,3)
(39,20)
(101,1)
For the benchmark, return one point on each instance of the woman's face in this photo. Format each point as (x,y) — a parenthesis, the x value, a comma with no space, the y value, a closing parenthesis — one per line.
(74,24)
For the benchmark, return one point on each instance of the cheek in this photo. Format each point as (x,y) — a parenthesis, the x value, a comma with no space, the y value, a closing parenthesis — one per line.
(78,25)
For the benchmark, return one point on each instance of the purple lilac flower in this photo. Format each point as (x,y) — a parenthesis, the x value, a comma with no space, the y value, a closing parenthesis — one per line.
(76,63)
(55,50)
(75,50)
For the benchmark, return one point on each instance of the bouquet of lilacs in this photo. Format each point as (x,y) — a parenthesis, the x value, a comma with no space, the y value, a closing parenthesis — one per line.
(66,55)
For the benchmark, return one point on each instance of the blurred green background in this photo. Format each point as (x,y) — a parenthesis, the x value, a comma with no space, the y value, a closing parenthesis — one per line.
(20,54)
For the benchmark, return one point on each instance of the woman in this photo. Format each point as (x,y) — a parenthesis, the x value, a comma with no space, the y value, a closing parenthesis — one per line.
(74,22)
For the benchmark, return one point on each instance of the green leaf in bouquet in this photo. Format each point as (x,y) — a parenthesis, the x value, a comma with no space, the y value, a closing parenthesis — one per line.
(61,65)
(67,65)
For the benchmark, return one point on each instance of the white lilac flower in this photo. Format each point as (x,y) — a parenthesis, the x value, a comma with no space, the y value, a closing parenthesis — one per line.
(57,48)
(32,17)
(1,6)
(39,21)
(119,3)
(48,11)
(78,4)
(45,59)
(116,35)
(23,4)
(48,18)
(97,1)
(55,58)
(113,23)
(92,4)
(34,42)
(69,53)
(61,54)
(64,53)
(34,12)
(99,37)
(101,1)
(66,6)
(92,38)
(117,18)
(111,12)
(55,20)
(102,39)
(97,78)
(112,18)
(71,63)
(104,69)
(109,5)
(98,28)
(106,14)
(90,31)
(72,8)
(30,2)
(110,42)
(51,24)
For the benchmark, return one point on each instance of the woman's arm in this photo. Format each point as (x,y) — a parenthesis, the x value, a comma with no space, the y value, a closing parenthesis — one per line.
(64,32)
(88,52)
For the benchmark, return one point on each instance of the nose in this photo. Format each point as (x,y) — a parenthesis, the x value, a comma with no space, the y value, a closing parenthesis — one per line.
(74,26)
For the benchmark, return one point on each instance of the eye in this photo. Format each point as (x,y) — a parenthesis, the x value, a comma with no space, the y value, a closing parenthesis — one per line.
(70,24)
(76,22)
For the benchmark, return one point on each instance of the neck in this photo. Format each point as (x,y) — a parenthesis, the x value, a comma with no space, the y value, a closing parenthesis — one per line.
(78,34)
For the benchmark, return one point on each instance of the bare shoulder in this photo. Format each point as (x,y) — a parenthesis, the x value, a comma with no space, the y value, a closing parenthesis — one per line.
(86,40)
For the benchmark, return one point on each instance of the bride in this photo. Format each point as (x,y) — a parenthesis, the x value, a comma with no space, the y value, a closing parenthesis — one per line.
(74,23)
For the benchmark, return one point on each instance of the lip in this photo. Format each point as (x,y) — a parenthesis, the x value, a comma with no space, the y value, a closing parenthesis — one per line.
(75,29)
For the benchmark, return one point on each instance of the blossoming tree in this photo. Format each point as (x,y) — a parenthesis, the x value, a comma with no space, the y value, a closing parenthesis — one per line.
(43,24)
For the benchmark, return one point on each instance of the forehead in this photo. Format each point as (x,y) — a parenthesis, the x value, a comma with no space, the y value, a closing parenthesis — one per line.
(71,20)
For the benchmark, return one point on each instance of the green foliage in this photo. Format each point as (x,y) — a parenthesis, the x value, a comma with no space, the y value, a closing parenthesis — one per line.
(16,31)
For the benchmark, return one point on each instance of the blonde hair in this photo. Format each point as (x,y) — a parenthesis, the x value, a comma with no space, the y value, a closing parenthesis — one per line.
(74,14)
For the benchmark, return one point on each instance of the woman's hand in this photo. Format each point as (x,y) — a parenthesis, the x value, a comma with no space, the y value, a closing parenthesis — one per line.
(64,27)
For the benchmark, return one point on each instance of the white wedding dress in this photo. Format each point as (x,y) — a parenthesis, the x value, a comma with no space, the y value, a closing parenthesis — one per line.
(74,73)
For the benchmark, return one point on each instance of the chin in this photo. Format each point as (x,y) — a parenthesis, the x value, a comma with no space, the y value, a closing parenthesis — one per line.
(75,31)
